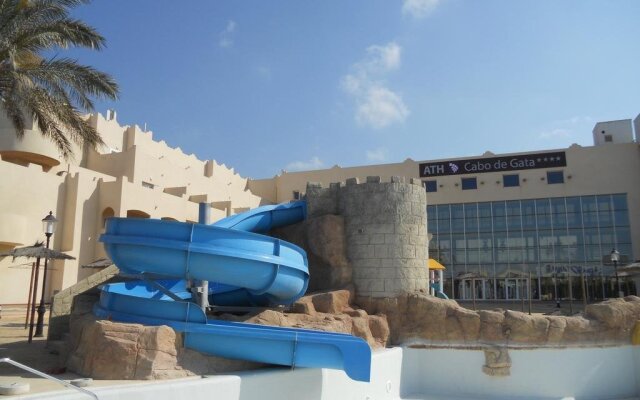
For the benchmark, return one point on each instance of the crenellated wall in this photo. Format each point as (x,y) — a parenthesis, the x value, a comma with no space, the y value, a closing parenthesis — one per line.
(130,175)
(385,229)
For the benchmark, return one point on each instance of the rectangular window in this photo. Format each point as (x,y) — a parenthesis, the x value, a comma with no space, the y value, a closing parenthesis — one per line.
(457,225)
(619,201)
(469,183)
(484,210)
(529,222)
(554,177)
(432,218)
(296,195)
(431,186)
(511,180)
(528,207)
(457,211)
(604,203)
(484,225)
(621,218)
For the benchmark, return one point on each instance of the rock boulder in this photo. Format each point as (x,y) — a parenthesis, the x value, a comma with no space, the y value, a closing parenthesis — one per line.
(323,238)
(111,350)
(421,317)
(103,349)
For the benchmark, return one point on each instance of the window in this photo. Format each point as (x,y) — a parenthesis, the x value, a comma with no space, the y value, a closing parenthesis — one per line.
(619,201)
(107,213)
(554,177)
(296,195)
(511,180)
(148,185)
(608,138)
(469,183)
(431,186)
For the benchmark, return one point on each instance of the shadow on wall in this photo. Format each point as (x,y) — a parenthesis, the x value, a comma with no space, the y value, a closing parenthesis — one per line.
(89,233)
(107,213)
(137,214)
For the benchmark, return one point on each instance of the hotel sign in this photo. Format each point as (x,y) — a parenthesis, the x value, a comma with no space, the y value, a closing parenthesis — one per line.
(493,164)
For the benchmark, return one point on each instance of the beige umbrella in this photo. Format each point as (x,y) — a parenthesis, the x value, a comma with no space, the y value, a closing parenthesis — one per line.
(38,251)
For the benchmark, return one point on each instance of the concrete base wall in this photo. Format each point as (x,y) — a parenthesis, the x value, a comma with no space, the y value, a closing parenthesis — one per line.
(581,373)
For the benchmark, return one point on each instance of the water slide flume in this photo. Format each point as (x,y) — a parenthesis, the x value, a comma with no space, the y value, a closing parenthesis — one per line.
(246,267)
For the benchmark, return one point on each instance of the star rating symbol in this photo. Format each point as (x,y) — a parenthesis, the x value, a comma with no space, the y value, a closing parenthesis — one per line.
(545,159)
(539,159)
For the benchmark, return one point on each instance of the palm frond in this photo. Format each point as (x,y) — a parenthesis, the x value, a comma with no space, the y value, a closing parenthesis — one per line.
(49,92)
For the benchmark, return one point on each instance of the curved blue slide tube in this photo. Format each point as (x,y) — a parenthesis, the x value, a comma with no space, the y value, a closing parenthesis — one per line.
(241,266)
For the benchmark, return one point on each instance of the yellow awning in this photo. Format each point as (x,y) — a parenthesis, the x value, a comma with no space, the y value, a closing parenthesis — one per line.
(433,264)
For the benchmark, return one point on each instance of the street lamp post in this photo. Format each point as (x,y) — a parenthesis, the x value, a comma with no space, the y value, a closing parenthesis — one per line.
(615,257)
(49,224)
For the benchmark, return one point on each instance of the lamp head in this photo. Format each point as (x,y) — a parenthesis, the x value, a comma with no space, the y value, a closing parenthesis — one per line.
(615,255)
(49,224)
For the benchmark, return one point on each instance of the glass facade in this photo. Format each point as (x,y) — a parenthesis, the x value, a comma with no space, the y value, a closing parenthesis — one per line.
(542,248)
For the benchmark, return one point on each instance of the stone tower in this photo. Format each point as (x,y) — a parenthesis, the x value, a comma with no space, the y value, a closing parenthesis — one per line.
(385,229)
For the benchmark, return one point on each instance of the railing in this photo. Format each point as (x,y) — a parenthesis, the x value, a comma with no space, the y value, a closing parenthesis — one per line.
(51,378)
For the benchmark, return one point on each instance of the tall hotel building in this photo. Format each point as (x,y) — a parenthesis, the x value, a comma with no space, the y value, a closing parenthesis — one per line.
(511,226)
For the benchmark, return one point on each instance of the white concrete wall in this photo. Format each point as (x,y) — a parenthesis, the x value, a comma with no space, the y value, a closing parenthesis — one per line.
(580,373)
(620,132)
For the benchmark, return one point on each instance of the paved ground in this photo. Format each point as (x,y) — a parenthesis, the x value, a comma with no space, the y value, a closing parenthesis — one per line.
(14,344)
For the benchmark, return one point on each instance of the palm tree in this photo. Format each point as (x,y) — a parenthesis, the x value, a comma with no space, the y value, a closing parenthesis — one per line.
(52,92)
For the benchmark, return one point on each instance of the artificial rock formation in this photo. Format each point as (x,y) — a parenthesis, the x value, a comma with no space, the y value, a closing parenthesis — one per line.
(103,349)
(324,241)
(497,361)
(109,350)
(427,319)
(330,312)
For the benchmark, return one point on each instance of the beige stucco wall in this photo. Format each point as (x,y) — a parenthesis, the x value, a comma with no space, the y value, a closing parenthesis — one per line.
(118,176)
(280,188)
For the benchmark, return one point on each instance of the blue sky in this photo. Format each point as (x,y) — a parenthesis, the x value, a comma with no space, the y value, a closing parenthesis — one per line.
(268,85)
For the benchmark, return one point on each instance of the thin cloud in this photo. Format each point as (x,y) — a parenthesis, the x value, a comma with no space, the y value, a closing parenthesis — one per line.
(377,155)
(313,163)
(381,107)
(565,128)
(264,72)
(226,36)
(419,8)
(555,133)
(384,58)
(377,106)
(576,120)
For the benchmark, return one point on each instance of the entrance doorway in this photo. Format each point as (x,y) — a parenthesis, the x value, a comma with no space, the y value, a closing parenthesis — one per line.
(478,288)
(513,288)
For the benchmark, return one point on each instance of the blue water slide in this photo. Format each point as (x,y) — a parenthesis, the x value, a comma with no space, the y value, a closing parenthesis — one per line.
(242,266)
